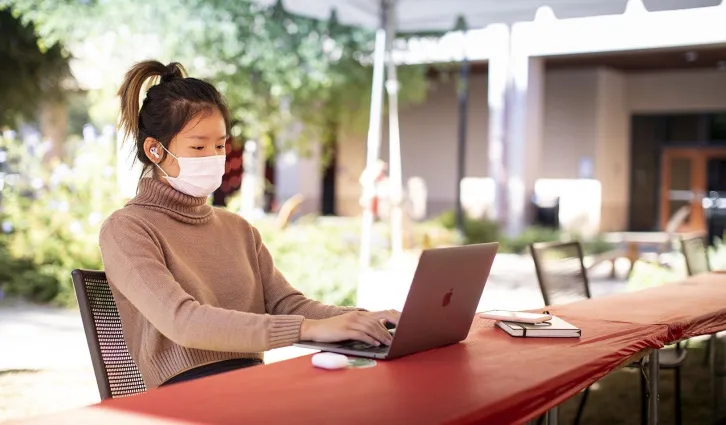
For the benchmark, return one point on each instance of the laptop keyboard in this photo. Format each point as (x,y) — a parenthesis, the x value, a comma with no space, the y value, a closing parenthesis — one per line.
(362,346)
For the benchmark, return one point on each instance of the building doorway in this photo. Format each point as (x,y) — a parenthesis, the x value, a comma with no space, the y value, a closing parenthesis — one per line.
(688,175)
(676,160)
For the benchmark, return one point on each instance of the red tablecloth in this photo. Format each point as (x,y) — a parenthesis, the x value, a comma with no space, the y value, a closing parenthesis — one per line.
(489,378)
(696,306)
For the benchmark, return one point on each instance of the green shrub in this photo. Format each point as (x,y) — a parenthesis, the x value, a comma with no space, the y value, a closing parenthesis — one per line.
(646,274)
(320,257)
(431,234)
(51,215)
(480,230)
(485,230)
(18,277)
(532,234)
(717,255)
(597,246)
(447,219)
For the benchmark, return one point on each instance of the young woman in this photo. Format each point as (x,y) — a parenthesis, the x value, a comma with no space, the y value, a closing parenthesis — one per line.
(196,288)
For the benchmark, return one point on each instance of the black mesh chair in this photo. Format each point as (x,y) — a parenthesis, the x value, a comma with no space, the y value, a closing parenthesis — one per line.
(695,250)
(563,279)
(561,272)
(116,373)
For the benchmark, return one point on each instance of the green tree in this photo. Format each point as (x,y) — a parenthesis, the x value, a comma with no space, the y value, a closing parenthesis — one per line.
(32,72)
(274,68)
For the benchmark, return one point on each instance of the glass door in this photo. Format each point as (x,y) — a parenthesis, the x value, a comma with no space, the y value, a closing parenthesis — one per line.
(683,184)
(690,177)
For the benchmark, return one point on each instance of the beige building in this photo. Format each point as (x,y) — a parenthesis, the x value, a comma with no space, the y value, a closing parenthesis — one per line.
(636,102)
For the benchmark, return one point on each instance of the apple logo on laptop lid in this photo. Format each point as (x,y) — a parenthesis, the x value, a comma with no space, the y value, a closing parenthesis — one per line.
(447,298)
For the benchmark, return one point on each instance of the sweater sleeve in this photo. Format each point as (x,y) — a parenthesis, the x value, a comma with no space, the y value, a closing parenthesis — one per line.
(283,298)
(136,267)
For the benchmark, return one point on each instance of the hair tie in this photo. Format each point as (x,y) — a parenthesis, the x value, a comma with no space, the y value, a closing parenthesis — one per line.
(172,72)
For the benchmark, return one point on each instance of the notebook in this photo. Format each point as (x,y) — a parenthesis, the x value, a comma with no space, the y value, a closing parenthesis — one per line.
(555,328)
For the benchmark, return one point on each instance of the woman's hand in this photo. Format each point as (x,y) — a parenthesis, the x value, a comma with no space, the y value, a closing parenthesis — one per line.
(365,326)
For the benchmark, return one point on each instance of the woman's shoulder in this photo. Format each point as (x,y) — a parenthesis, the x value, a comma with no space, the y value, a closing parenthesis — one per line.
(230,218)
(122,218)
(234,222)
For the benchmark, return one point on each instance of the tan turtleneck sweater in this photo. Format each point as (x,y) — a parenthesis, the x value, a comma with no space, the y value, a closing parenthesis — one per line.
(195,284)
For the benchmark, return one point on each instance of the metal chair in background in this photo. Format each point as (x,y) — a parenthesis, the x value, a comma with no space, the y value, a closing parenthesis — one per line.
(562,277)
(695,251)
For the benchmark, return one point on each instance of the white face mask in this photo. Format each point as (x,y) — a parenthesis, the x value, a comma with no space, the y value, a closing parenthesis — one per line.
(197,176)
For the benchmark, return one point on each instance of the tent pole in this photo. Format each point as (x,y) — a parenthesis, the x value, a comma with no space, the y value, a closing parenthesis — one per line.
(373,146)
(394,140)
(463,95)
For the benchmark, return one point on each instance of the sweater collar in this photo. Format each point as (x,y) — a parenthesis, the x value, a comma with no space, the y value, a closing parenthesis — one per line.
(156,195)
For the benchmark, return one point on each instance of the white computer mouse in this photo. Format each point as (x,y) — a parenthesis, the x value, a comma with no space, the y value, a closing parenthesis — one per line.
(330,361)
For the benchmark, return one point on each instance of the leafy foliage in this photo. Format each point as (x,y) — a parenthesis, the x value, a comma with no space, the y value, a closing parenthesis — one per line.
(320,258)
(282,75)
(474,230)
(30,72)
(51,218)
(484,230)
(275,69)
(530,235)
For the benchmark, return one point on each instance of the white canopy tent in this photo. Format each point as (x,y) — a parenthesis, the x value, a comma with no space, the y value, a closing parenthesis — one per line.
(390,17)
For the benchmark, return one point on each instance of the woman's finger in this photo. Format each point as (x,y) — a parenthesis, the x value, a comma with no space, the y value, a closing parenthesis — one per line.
(376,330)
(381,330)
(362,336)
(373,328)
(387,315)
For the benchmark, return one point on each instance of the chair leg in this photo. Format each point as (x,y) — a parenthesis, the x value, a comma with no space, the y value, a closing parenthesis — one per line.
(581,407)
(677,394)
(643,399)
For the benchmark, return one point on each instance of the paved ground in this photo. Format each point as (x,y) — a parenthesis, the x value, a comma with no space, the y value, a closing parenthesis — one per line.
(512,284)
(45,366)
(44,362)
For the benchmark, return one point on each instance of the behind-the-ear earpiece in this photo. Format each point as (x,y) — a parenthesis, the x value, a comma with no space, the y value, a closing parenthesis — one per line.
(154,152)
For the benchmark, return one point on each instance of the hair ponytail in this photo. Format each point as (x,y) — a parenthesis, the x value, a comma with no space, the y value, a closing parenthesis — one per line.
(130,93)
(133,85)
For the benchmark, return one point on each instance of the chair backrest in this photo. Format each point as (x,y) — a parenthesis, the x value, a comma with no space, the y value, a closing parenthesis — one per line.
(677,219)
(695,249)
(560,271)
(116,372)
(288,210)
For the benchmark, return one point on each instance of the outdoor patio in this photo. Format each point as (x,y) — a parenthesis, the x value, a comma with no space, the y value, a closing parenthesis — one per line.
(361,136)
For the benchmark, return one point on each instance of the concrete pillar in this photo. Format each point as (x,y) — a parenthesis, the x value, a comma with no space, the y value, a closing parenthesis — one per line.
(525,109)
(612,148)
(299,174)
(287,173)
(516,105)
(498,80)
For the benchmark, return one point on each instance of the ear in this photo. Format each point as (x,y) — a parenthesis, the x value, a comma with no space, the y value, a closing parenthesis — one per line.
(153,150)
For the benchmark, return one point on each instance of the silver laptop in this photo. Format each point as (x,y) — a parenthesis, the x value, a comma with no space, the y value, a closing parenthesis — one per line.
(440,306)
